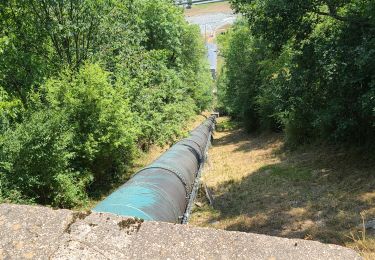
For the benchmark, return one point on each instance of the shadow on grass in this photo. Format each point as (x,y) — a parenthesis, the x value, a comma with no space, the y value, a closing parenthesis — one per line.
(319,194)
(246,142)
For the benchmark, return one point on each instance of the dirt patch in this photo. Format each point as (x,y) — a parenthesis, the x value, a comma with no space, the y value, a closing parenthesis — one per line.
(318,193)
(131,225)
(221,7)
(76,216)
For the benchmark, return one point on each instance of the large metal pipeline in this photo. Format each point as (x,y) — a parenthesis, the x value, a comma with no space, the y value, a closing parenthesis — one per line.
(163,190)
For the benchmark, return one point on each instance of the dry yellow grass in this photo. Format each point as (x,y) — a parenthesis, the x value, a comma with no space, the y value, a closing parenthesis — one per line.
(361,243)
(208,8)
(316,193)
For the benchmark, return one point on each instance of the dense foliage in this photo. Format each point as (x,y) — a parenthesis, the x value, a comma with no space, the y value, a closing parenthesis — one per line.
(303,66)
(86,84)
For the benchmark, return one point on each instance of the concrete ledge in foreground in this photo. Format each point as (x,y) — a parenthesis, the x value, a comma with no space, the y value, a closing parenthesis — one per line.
(32,232)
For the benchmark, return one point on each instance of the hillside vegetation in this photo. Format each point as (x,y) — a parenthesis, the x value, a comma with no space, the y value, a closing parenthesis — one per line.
(84,86)
(306,67)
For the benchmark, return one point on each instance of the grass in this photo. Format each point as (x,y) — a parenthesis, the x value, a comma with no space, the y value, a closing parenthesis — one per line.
(227,125)
(361,243)
(292,174)
(315,192)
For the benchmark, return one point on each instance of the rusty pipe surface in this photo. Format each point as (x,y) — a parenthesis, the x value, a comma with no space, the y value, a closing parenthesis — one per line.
(162,190)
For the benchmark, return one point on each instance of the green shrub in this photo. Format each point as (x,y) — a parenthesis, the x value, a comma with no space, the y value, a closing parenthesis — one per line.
(97,80)
(81,133)
(307,68)
(10,110)
(35,155)
(99,113)
(158,97)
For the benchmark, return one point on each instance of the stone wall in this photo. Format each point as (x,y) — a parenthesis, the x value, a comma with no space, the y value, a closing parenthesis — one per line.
(32,232)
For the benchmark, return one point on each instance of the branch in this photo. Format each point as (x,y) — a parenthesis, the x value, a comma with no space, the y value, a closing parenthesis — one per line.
(334,15)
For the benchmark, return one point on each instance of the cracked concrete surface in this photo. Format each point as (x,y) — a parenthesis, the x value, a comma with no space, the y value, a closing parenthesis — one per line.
(33,232)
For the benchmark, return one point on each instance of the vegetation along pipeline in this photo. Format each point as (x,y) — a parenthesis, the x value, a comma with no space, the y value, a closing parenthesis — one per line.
(165,190)
(86,88)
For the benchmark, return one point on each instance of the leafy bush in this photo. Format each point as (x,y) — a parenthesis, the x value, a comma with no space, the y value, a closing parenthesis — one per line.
(158,97)
(305,67)
(35,160)
(86,83)
(80,132)
(104,132)
(10,110)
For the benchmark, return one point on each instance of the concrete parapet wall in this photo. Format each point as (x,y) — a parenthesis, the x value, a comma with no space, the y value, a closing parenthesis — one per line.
(32,232)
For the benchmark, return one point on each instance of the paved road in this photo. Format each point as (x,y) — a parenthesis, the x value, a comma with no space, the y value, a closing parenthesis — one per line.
(212,55)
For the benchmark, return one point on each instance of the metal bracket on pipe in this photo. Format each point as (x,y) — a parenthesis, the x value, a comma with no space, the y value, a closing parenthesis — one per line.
(196,183)
(198,176)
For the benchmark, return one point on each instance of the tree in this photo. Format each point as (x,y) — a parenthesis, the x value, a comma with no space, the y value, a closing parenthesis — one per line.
(313,73)
(84,86)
